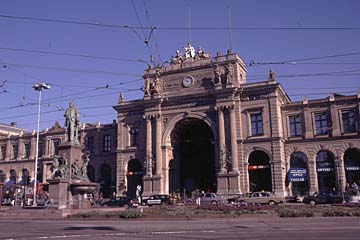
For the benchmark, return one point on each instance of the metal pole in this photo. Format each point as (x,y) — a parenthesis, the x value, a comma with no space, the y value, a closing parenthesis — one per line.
(37,147)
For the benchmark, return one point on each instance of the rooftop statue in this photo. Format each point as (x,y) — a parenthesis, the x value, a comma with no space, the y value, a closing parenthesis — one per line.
(72,123)
(177,59)
(189,51)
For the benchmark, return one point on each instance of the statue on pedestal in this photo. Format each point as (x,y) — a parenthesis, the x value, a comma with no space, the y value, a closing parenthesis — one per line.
(72,123)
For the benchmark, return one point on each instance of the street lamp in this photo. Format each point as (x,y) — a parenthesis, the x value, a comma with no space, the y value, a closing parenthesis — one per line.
(38,87)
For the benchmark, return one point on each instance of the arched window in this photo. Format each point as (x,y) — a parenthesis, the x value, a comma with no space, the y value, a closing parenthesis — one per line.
(2,176)
(298,174)
(91,173)
(325,168)
(259,171)
(13,175)
(352,165)
(134,176)
(25,179)
(105,180)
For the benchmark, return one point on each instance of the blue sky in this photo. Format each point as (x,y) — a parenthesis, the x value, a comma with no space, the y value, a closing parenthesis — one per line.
(84,79)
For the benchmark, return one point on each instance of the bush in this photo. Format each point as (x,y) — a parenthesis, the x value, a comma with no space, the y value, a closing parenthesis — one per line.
(130,214)
(284,212)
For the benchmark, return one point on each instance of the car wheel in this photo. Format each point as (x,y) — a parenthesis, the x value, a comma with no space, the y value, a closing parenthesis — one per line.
(214,203)
(126,206)
(271,202)
(312,202)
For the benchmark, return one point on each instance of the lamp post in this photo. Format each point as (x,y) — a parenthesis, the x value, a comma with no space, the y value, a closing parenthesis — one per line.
(38,87)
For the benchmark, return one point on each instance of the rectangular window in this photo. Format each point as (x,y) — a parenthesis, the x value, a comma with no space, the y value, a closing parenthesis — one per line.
(90,144)
(41,149)
(3,152)
(106,143)
(256,124)
(348,121)
(56,143)
(321,123)
(133,137)
(15,151)
(27,150)
(295,126)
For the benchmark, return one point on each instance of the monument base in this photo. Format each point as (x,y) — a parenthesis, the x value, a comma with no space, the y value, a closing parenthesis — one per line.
(59,193)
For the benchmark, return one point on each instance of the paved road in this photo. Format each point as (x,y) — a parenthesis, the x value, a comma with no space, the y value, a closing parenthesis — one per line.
(239,228)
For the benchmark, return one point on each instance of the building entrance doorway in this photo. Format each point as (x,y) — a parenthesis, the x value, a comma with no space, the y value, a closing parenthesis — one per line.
(259,172)
(134,176)
(193,166)
(352,165)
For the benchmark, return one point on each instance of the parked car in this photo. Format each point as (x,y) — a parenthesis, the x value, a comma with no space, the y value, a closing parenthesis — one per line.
(127,202)
(209,199)
(294,199)
(262,197)
(158,199)
(323,198)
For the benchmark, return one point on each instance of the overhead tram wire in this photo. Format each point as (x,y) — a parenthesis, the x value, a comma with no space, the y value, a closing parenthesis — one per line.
(76,70)
(66,97)
(179,28)
(295,61)
(74,55)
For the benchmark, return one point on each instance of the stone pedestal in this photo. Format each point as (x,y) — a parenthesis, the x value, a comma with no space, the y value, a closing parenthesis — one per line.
(228,183)
(152,185)
(71,190)
(70,151)
(59,193)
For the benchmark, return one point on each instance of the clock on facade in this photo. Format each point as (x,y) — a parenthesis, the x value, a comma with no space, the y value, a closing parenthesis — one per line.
(188,81)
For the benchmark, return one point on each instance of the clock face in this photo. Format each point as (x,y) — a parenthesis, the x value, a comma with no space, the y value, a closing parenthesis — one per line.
(188,81)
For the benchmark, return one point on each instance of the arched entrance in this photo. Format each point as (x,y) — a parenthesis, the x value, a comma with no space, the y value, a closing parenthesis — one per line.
(134,176)
(352,165)
(2,176)
(105,180)
(298,174)
(91,173)
(325,168)
(193,166)
(25,179)
(259,171)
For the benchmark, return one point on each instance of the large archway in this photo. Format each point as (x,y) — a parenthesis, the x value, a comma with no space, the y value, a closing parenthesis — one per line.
(325,168)
(193,166)
(259,171)
(352,165)
(105,180)
(134,176)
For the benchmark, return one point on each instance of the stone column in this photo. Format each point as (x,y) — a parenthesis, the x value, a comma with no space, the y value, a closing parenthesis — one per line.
(21,148)
(233,137)
(33,147)
(334,121)
(340,173)
(313,182)
(221,140)
(8,150)
(148,146)
(158,146)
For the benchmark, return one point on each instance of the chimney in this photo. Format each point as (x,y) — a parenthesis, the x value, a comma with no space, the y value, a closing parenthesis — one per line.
(13,124)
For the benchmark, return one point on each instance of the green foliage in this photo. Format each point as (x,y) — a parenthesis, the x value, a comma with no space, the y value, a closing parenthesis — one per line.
(293,212)
(130,214)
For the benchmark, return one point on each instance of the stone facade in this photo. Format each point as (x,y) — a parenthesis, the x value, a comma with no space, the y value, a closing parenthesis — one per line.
(247,121)
(102,160)
(200,126)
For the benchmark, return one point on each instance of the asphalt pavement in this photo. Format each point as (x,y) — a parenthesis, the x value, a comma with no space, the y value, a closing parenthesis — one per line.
(226,228)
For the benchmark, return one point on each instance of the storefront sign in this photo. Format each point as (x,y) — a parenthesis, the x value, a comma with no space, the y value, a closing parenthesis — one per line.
(256,167)
(298,174)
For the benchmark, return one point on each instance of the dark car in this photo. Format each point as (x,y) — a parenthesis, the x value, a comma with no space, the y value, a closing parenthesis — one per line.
(158,199)
(323,198)
(127,202)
